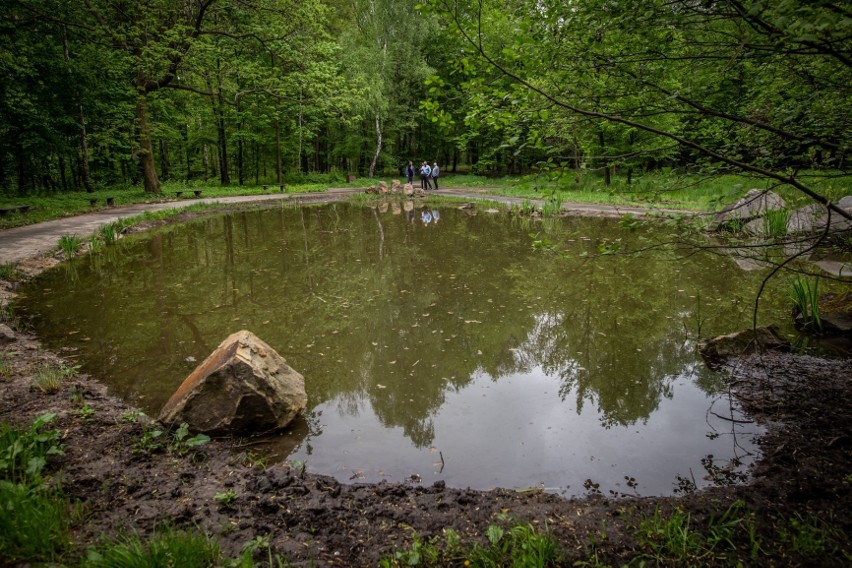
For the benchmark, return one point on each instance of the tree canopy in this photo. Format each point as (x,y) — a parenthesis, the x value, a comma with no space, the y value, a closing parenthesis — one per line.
(105,92)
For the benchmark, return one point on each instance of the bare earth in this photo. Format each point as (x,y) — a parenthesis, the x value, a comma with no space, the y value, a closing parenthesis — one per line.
(804,473)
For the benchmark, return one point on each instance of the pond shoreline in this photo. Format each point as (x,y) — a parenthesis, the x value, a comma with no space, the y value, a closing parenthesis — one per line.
(805,403)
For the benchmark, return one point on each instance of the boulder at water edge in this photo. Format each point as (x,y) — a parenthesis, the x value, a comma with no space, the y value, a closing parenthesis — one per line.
(754,204)
(395,186)
(408,189)
(716,350)
(243,387)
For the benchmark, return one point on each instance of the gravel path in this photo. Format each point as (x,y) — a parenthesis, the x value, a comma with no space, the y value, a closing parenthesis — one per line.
(32,240)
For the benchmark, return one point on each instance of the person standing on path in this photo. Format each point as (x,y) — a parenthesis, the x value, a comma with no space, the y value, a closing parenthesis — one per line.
(435,173)
(409,172)
(425,173)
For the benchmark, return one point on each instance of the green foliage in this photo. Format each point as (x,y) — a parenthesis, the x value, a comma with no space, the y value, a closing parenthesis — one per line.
(805,295)
(70,244)
(675,539)
(775,222)
(520,545)
(176,442)
(5,365)
(34,516)
(34,522)
(166,547)
(48,377)
(24,453)
(10,272)
(226,498)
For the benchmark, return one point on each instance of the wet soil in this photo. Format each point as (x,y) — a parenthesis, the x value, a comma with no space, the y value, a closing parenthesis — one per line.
(805,473)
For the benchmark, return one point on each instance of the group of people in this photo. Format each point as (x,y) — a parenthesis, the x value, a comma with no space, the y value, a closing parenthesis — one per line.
(428,174)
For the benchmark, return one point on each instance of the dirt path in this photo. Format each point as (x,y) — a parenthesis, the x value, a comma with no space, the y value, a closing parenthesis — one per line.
(26,242)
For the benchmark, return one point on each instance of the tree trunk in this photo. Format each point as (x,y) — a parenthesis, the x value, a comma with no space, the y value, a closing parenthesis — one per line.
(607,178)
(187,152)
(277,152)
(146,153)
(62,172)
(221,140)
(165,166)
(84,145)
(372,171)
(85,174)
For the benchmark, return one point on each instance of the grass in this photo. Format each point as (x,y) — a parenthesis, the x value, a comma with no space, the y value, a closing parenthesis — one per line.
(70,244)
(58,205)
(48,377)
(805,298)
(519,545)
(698,192)
(24,453)
(775,222)
(11,272)
(34,522)
(166,547)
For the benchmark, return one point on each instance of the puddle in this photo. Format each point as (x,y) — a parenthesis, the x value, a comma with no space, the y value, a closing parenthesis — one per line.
(436,344)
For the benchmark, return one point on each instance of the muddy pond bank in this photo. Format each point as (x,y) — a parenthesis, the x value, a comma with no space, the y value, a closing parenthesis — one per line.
(797,503)
(802,480)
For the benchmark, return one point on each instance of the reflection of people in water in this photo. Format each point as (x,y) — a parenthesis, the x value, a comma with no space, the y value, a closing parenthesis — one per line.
(426,216)
(436,216)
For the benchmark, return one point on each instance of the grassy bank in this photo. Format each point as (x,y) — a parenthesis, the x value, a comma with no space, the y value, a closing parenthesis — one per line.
(663,189)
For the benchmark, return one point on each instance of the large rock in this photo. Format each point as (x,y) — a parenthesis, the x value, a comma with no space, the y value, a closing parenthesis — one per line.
(243,387)
(395,186)
(835,313)
(812,218)
(408,189)
(754,204)
(718,349)
(382,187)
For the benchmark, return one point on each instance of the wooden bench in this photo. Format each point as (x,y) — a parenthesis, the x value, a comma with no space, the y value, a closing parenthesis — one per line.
(14,209)
(110,201)
(178,194)
(197,192)
(93,201)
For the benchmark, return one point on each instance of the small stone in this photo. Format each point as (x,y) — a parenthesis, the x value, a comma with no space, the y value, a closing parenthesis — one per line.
(7,336)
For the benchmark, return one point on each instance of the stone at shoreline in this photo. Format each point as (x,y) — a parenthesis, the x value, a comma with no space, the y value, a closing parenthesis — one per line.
(395,186)
(754,204)
(381,187)
(408,189)
(7,336)
(718,349)
(811,218)
(835,313)
(243,387)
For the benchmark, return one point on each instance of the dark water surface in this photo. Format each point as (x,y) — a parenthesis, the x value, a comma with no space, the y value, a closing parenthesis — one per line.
(452,350)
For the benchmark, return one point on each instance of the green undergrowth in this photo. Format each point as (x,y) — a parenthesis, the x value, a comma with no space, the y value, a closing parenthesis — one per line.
(45,207)
(667,189)
(521,545)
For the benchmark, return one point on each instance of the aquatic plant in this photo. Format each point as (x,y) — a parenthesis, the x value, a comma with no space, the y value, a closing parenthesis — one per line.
(775,222)
(806,302)
(69,244)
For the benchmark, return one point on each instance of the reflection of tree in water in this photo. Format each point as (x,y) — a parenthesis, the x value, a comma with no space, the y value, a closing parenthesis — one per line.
(370,307)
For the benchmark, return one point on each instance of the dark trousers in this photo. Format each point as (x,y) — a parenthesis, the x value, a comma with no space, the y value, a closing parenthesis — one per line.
(435,182)
(424,182)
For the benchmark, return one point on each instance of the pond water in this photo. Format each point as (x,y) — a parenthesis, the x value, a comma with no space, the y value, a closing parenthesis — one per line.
(436,343)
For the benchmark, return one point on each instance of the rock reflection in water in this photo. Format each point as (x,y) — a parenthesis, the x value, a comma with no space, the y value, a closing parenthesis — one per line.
(520,366)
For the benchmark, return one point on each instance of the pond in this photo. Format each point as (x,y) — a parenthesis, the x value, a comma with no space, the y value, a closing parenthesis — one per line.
(437,343)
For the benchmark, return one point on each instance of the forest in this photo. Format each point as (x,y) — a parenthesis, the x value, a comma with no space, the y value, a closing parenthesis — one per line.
(116,93)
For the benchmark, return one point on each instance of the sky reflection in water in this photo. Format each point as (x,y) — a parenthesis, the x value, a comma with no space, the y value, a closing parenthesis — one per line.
(447,349)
